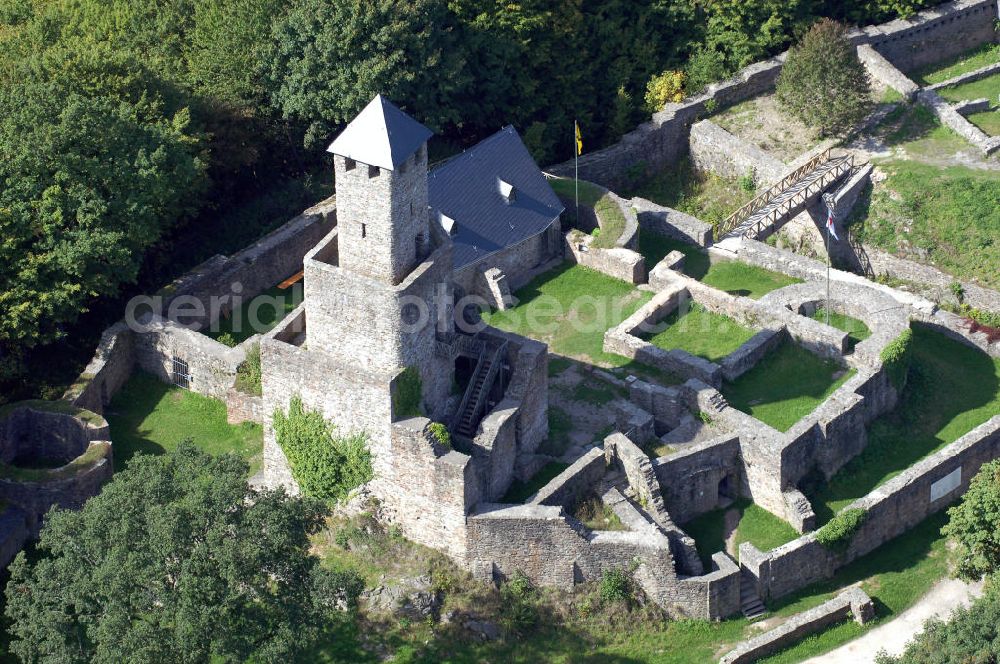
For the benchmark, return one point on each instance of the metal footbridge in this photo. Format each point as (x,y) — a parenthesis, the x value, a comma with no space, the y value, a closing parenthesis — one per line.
(785,199)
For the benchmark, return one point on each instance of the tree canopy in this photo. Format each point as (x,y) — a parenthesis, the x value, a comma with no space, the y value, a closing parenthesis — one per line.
(823,82)
(176,560)
(975,525)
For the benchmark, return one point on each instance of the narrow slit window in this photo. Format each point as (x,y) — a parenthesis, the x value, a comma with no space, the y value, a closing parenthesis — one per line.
(364,230)
(349,164)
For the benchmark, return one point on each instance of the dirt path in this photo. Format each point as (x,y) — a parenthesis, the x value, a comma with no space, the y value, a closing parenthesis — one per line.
(946,596)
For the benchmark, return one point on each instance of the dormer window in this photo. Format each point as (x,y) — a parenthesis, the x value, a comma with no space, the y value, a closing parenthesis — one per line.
(349,164)
(448,224)
(507,191)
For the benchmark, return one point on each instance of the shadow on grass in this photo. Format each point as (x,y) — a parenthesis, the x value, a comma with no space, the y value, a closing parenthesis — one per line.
(951,389)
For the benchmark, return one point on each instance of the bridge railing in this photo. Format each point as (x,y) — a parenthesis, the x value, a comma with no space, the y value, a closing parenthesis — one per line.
(761,200)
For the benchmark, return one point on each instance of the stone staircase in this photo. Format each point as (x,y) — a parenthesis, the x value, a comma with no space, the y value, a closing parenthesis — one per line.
(499,289)
(717,403)
(751,604)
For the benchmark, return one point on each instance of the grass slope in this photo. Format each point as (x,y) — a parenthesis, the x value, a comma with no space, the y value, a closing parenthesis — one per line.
(150,417)
(946,216)
(785,386)
(857,331)
(970,60)
(952,389)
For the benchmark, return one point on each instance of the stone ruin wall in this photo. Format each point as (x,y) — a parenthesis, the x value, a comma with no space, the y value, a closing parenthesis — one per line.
(892,509)
(930,36)
(715,150)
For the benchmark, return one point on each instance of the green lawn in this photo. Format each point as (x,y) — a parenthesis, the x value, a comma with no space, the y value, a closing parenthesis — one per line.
(701,332)
(733,277)
(988,87)
(756,525)
(971,60)
(703,195)
(520,491)
(592,196)
(570,308)
(952,389)
(785,386)
(855,328)
(948,216)
(260,314)
(151,417)
(988,121)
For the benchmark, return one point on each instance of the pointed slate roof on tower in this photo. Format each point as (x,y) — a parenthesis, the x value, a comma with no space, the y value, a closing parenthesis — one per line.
(381,135)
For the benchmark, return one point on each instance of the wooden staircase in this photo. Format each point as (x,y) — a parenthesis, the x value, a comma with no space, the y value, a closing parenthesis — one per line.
(476,397)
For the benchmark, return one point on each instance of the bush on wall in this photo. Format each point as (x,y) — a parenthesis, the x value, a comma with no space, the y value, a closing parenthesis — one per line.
(326,465)
(838,533)
(407,398)
(896,358)
(248,373)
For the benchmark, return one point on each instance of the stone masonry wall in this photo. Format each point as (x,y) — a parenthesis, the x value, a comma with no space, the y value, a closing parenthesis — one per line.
(618,262)
(690,477)
(892,509)
(106,372)
(672,223)
(573,484)
(715,150)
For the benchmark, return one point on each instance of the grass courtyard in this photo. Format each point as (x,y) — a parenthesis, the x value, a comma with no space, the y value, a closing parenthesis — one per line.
(259,314)
(701,332)
(951,389)
(570,308)
(743,521)
(988,87)
(856,330)
(785,386)
(734,277)
(150,417)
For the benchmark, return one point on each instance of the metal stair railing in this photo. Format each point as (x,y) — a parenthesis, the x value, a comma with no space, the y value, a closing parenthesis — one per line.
(468,391)
(480,399)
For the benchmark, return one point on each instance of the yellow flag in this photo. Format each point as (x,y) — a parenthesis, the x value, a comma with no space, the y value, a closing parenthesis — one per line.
(579,139)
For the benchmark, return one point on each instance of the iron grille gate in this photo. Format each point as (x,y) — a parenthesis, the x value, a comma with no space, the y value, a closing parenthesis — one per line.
(181,376)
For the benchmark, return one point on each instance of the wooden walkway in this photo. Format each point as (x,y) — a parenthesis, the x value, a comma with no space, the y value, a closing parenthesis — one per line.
(787,198)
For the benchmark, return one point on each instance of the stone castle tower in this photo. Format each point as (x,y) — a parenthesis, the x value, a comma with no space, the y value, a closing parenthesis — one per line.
(377,307)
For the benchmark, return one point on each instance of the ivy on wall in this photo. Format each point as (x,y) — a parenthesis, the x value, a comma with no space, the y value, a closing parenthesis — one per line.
(325,464)
(896,358)
(836,535)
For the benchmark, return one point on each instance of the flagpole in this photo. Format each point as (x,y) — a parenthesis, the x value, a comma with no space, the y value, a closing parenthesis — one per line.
(828,199)
(576,168)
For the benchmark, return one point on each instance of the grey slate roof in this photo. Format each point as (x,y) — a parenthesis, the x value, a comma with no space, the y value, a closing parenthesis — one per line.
(381,135)
(467,188)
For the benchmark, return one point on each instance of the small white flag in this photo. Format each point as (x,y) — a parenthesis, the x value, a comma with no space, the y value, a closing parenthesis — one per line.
(829,225)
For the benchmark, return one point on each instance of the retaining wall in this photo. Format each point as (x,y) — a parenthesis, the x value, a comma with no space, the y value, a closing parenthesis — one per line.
(928,486)
(618,262)
(715,150)
(672,223)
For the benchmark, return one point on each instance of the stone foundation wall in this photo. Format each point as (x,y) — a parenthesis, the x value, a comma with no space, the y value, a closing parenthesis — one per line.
(619,263)
(573,484)
(715,150)
(664,403)
(957,122)
(689,478)
(935,34)
(852,603)
(885,74)
(892,509)
(746,357)
(671,223)
(105,374)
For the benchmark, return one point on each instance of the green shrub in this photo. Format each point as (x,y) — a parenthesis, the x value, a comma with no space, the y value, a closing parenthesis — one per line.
(823,83)
(664,88)
(248,373)
(407,400)
(896,358)
(616,585)
(227,339)
(325,465)
(596,232)
(519,598)
(705,66)
(440,433)
(837,534)
(958,290)
(748,183)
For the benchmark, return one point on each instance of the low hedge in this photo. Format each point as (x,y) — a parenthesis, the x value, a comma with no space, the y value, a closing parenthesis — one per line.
(896,358)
